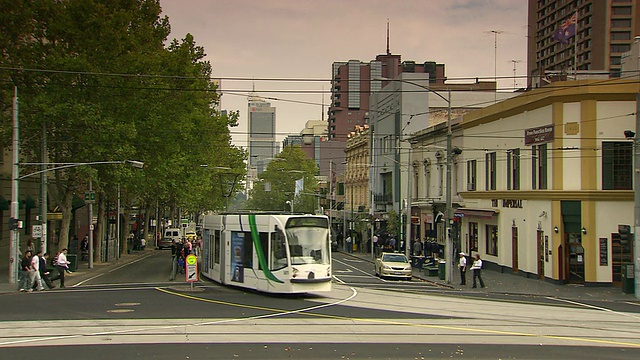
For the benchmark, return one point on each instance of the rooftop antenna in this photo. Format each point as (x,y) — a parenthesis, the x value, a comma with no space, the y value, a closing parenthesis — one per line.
(495,59)
(388,53)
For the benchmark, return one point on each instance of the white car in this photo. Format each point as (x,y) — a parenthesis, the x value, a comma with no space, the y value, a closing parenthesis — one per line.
(393,265)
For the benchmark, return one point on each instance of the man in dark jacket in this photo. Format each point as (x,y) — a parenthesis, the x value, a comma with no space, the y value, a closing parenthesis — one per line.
(25,265)
(44,273)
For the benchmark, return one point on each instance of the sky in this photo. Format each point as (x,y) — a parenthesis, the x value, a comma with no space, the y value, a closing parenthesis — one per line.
(285,48)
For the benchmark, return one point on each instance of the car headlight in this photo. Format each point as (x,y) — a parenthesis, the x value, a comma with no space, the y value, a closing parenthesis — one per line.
(387,267)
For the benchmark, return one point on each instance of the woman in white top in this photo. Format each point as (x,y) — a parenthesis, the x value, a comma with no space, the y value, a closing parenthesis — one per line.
(477,268)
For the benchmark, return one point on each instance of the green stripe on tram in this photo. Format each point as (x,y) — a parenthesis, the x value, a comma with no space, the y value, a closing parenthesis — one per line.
(255,236)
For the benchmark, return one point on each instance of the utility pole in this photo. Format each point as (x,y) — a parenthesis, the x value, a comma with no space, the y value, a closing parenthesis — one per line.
(636,232)
(43,191)
(14,243)
(448,248)
(90,227)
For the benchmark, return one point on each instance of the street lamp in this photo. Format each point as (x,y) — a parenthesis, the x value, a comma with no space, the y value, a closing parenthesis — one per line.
(448,256)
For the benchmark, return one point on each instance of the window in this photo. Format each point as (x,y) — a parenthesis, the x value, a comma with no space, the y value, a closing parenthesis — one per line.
(539,167)
(490,159)
(278,259)
(491,233)
(617,166)
(216,247)
(471,175)
(513,169)
(473,236)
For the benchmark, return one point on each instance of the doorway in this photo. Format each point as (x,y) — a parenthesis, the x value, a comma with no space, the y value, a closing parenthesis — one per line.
(514,248)
(541,253)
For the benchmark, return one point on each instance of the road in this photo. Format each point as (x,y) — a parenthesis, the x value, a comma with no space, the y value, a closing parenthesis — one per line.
(133,311)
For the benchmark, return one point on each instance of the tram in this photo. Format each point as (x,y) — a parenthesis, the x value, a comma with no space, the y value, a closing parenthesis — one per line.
(273,253)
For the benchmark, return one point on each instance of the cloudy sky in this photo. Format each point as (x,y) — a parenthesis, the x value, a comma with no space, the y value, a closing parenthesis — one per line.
(261,43)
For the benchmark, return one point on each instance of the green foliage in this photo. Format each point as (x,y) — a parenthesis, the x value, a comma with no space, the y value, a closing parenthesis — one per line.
(393,223)
(100,79)
(280,176)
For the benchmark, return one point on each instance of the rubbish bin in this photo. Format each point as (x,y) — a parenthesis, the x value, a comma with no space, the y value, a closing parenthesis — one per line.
(442,268)
(628,279)
(73,261)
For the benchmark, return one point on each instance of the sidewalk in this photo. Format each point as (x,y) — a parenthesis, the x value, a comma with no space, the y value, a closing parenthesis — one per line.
(509,283)
(82,272)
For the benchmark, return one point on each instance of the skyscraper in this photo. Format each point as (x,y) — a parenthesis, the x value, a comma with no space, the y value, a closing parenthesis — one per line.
(354,81)
(262,130)
(579,36)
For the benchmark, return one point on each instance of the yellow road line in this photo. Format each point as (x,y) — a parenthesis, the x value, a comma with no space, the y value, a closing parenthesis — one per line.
(391,322)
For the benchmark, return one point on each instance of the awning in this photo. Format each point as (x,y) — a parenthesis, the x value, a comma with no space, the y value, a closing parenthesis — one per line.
(476,213)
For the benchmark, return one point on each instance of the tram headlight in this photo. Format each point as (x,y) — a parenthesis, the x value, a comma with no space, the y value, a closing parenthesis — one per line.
(294,272)
(328,271)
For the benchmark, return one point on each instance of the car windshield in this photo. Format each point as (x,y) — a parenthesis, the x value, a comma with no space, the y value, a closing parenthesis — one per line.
(308,245)
(394,258)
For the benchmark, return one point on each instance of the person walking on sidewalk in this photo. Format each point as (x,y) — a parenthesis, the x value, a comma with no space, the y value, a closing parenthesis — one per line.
(23,277)
(462,265)
(477,268)
(34,272)
(62,265)
(44,274)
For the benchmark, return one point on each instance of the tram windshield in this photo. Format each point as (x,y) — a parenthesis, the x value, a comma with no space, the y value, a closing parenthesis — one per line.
(308,241)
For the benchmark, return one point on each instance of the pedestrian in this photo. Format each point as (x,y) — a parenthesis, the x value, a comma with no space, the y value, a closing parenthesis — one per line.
(23,277)
(392,243)
(462,265)
(34,272)
(84,248)
(143,243)
(62,265)
(477,268)
(417,247)
(44,273)
(348,244)
(375,244)
(30,246)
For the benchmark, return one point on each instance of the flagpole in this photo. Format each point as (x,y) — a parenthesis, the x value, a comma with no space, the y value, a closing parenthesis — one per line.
(575,48)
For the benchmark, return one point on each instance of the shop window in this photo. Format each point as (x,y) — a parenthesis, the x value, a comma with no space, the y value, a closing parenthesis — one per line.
(473,236)
(491,233)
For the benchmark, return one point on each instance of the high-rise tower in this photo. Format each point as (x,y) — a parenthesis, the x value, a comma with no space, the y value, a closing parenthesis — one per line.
(579,35)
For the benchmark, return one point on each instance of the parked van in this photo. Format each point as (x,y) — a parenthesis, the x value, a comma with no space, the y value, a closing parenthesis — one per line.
(174,233)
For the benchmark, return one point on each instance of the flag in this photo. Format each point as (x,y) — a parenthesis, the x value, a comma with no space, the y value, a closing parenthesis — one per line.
(566,30)
(299,186)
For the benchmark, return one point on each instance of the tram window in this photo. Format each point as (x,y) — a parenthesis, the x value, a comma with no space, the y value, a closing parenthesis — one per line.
(216,247)
(264,244)
(278,258)
(247,259)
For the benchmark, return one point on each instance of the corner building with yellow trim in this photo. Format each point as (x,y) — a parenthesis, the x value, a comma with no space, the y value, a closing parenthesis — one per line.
(546,182)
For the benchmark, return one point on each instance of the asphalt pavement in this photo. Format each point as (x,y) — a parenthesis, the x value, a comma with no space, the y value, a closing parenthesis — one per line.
(512,283)
(495,281)
(81,273)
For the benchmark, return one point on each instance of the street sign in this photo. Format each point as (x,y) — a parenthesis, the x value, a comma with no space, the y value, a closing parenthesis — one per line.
(89,196)
(191,274)
(36,231)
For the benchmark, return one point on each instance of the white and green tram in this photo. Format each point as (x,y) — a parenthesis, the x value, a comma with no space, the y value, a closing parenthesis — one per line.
(275,253)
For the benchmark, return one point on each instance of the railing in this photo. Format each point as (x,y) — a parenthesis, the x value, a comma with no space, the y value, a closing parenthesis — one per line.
(383,198)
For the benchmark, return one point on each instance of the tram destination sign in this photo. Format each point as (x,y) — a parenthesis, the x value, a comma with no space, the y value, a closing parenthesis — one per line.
(539,135)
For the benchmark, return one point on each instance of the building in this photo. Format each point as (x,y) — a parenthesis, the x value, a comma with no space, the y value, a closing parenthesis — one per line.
(261,136)
(404,107)
(309,139)
(586,35)
(352,83)
(548,182)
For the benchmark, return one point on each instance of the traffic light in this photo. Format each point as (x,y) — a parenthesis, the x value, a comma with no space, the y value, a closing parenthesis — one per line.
(15,224)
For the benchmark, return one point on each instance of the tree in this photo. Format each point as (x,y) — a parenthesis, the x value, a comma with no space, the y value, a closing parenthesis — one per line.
(276,185)
(98,78)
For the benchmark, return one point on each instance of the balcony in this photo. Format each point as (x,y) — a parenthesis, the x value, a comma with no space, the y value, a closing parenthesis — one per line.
(383,199)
